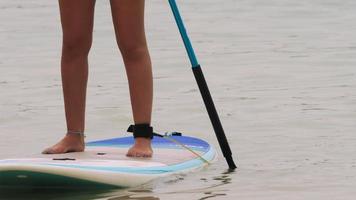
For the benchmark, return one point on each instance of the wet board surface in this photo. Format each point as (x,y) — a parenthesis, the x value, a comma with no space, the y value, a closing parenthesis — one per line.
(104,165)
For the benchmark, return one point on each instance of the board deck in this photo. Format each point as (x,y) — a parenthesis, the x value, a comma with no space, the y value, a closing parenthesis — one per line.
(104,164)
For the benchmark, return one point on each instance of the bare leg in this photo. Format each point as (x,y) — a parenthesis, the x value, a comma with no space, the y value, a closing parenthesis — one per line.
(77,24)
(128,19)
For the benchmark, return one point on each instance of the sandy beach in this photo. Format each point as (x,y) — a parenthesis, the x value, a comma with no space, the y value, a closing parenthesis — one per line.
(282,74)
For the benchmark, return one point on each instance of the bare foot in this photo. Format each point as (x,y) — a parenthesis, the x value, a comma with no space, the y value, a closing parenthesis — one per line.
(70,143)
(141,148)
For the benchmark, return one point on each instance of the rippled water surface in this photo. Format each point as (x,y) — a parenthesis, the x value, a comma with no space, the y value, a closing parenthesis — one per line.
(282,74)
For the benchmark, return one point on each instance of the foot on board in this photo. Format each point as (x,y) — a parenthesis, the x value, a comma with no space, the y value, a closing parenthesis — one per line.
(141,148)
(70,143)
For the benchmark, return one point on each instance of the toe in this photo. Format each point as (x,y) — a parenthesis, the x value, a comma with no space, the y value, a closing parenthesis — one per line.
(148,155)
(53,150)
(129,153)
(48,151)
(139,155)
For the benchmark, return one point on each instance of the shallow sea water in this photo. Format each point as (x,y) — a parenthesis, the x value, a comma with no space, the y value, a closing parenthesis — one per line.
(282,74)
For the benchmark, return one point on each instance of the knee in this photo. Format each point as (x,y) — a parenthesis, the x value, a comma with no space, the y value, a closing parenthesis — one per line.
(134,53)
(77,46)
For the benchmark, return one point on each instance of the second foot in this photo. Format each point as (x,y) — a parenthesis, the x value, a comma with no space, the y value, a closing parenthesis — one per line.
(141,148)
(70,143)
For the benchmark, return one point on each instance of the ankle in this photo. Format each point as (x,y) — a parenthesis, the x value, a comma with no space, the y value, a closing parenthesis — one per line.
(143,141)
(75,137)
(76,133)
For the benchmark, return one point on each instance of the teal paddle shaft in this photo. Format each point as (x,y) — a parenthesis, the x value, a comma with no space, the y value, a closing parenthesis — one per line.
(203,87)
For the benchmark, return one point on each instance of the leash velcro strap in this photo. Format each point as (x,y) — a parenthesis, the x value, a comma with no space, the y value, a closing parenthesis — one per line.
(141,130)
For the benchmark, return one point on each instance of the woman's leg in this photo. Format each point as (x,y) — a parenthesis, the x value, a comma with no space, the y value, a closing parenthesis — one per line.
(77,24)
(128,19)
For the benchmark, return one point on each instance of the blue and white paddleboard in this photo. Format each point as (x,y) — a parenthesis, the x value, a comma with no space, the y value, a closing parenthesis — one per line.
(104,164)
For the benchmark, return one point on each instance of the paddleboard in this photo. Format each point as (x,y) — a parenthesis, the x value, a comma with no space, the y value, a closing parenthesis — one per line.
(104,164)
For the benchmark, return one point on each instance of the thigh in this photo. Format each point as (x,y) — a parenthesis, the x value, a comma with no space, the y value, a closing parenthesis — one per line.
(128,19)
(77,18)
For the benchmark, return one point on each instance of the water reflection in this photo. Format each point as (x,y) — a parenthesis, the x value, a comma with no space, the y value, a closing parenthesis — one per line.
(211,187)
(135,194)
(45,194)
(134,198)
(84,194)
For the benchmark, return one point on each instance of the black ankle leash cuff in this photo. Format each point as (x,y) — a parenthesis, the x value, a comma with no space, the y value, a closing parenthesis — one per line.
(141,130)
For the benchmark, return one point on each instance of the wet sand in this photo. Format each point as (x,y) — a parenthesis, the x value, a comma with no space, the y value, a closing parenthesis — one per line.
(282,73)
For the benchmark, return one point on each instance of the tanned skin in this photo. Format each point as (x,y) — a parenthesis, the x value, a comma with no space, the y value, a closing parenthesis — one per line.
(77,18)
